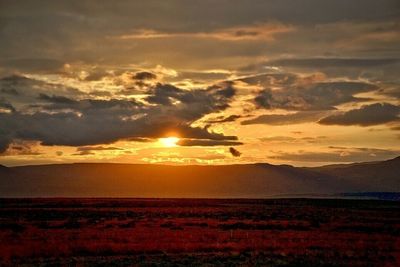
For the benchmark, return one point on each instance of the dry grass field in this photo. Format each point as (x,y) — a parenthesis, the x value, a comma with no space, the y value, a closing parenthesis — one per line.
(198,232)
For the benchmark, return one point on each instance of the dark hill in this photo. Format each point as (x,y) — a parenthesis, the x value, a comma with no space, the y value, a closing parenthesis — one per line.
(137,180)
(224,181)
(368,176)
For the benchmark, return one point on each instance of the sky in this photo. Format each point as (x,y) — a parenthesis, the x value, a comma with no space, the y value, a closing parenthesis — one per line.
(305,83)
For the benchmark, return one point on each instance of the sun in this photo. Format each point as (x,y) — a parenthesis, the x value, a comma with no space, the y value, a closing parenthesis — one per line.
(169,141)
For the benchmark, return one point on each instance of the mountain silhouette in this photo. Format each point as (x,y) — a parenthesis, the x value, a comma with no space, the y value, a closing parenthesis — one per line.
(221,181)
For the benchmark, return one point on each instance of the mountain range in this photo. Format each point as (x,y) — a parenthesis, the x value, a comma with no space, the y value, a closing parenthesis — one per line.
(260,180)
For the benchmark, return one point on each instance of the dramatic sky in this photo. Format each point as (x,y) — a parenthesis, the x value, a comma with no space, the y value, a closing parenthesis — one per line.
(305,82)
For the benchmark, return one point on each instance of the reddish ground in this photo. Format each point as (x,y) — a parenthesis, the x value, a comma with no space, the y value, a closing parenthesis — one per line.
(170,232)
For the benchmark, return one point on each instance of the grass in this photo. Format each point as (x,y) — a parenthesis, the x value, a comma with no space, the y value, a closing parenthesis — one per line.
(294,232)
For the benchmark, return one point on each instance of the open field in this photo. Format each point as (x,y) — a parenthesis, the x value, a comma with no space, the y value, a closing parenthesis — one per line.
(163,232)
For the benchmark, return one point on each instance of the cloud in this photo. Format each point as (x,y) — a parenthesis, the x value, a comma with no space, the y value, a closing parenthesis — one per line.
(23,92)
(294,92)
(141,139)
(152,14)
(222,119)
(338,154)
(5,141)
(71,33)
(20,148)
(163,94)
(144,75)
(56,99)
(6,106)
(93,74)
(204,142)
(234,152)
(205,75)
(367,115)
(391,92)
(97,148)
(315,96)
(284,119)
(290,139)
(78,120)
(372,69)
(317,63)
(279,79)
(33,65)
(196,103)
(90,150)
(238,33)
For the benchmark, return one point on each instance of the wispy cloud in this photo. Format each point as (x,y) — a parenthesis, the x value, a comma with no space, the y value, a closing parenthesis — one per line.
(266,32)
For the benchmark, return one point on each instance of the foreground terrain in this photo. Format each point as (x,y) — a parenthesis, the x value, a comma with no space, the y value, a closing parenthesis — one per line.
(163,232)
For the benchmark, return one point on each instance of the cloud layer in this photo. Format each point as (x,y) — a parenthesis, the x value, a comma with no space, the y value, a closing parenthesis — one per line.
(79,78)
(367,115)
(72,121)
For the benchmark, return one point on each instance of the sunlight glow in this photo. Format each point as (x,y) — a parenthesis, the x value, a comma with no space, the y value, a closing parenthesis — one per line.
(169,141)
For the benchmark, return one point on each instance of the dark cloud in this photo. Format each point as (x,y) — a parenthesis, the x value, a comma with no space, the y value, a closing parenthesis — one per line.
(144,75)
(372,69)
(15,79)
(163,94)
(68,128)
(4,104)
(141,139)
(33,65)
(152,14)
(97,148)
(5,142)
(84,153)
(235,152)
(19,148)
(199,142)
(100,93)
(317,96)
(339,154)
(367,115)
(64,120)
(56,99)
(10,91)
(72,32)
(22,92)
(391,92)
(284,119)
(90,150)
(223,119)
(192,104)
(25,150)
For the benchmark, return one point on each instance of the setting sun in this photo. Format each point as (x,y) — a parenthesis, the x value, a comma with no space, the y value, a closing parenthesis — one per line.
(169,141)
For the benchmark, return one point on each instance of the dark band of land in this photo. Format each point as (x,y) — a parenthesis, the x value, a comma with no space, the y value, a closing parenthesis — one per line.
(197,232)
